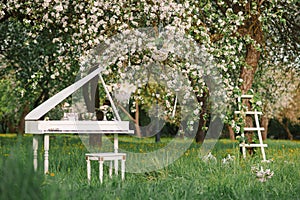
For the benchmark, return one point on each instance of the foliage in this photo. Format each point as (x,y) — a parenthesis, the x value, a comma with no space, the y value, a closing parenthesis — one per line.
(42,42)
(281,100)
(32,65)
(8,103)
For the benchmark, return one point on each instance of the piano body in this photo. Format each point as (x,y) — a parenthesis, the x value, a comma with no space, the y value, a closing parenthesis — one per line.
(47,127)
(79,127)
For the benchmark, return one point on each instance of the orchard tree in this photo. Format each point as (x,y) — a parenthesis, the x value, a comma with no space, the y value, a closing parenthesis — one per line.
(280,94)
(70,28)
(9,104)
(38,65)
(243,36)
(252,36)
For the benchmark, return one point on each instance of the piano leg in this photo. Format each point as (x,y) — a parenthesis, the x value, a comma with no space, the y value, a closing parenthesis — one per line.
(116,149)
(101,160)
(46,156)
(35,145)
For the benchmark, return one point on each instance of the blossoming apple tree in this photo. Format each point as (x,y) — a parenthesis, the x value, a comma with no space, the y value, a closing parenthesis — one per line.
(42,42)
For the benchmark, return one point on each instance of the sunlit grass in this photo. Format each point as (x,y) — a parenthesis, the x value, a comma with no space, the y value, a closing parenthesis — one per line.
(189,177)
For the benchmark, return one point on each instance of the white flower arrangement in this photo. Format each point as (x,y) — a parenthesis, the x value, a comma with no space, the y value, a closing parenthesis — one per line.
(261,174)
(209,158)
(228,159)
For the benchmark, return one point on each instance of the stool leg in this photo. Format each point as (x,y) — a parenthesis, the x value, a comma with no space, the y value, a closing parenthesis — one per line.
(101,169)
(116,166)
(110,169)
(88,165)
(123,168)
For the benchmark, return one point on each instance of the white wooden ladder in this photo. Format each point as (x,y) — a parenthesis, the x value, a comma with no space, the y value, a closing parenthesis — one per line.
(257,128)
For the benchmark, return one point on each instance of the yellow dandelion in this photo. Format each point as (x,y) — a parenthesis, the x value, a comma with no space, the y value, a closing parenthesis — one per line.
(52,174)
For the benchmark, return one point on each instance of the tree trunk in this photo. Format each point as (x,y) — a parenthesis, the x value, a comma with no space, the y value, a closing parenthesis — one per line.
(21,124)
(253,28)
(200,135)
(92,101)
(200,132)
(285,125)
(231,132)
(247,74)
(265,124)
(96,140)
(137,119)
(11,126)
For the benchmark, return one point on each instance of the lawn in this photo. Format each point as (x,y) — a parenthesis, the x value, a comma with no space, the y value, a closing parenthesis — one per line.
(189,177)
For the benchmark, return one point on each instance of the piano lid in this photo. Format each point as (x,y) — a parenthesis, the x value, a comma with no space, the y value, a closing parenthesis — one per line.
(45,107)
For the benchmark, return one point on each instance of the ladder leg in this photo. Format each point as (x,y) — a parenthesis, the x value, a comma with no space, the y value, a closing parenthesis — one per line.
(258,129)
(260,137)
(243,145)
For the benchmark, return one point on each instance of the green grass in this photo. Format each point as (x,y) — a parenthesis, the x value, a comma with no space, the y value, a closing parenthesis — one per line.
(186,178)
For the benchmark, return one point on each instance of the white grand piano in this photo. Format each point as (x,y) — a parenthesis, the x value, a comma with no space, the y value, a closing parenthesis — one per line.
(35,126)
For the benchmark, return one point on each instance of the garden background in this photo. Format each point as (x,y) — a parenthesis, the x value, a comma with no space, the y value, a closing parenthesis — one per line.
(255,48)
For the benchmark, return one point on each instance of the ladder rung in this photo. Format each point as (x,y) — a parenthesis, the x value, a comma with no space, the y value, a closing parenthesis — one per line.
(254,129)
(249,112)
(254,145)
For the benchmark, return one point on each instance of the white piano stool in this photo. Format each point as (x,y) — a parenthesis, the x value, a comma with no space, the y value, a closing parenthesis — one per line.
(101,157)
